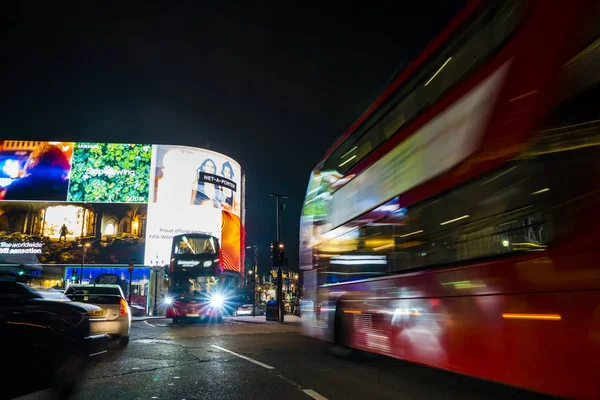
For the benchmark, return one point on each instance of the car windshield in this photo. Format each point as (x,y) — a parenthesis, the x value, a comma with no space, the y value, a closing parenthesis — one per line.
(92,290)
(94,294)
(95,298)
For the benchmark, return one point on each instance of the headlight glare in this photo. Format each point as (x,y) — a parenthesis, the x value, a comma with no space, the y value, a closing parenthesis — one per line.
(217,300)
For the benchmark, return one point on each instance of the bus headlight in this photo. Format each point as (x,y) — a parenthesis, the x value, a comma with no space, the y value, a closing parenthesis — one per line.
(168,300)
(217,300)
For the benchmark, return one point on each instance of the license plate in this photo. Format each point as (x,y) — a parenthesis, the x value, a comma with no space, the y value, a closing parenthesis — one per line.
(97,313)
(192,315)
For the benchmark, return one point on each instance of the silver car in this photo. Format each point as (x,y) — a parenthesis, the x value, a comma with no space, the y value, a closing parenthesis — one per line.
(114,316)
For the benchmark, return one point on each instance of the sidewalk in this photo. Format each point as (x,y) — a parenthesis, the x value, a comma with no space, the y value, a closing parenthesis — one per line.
(261,319)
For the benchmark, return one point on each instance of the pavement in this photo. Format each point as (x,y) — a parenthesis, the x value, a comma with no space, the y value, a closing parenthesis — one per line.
(287,320)
(259,319)
(262,360)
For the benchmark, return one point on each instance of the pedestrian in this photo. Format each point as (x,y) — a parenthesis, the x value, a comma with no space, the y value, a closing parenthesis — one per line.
(293,306)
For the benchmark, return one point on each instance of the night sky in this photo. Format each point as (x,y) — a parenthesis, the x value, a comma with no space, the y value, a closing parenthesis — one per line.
(270,84)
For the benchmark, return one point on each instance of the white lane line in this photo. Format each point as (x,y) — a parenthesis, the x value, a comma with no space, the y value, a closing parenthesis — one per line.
(314,394)
(244,357)
(146,322)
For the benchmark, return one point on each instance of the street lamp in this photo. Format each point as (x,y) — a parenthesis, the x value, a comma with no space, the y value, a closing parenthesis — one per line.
(280,207)
(254,272)
(83,246)
(156,267)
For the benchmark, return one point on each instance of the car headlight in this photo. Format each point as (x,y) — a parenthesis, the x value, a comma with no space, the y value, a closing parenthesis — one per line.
(217,300)
(168,300)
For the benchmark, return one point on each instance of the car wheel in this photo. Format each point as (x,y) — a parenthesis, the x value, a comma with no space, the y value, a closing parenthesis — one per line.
(124,340)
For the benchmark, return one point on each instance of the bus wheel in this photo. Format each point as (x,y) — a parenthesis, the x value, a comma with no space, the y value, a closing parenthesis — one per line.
(338,349)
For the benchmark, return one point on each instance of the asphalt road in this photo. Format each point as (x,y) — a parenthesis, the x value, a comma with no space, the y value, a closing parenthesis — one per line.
(238,360)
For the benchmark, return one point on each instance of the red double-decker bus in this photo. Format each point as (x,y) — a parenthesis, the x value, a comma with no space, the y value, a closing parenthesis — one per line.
(199,287)
(455,224)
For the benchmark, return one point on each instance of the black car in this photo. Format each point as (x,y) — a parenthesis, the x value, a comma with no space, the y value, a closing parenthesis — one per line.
(43,343)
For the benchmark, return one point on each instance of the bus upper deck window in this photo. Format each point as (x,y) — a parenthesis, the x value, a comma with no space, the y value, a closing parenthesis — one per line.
(208,248)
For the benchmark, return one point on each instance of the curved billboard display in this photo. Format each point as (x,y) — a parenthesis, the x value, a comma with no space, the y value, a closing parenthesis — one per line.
(122,201)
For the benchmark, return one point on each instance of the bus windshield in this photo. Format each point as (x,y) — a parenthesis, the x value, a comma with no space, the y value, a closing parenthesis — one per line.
(198,287)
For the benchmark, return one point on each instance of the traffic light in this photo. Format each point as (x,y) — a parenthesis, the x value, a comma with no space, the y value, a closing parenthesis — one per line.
(277,254)
(73,275)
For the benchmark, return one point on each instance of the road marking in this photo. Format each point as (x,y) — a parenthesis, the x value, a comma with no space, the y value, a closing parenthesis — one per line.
(308,392)
(244,357)
(146,322)
(314,394)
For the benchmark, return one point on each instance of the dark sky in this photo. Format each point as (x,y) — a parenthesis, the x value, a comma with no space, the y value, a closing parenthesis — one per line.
(270,84)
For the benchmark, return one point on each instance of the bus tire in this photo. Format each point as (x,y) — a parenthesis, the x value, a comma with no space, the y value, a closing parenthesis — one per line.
(338,349)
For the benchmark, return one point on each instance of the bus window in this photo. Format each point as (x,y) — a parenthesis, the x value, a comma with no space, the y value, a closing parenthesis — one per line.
(195,245)
(208,247)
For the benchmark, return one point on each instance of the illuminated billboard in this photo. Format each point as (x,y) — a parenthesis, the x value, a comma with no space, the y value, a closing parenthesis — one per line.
(110,172)
(122,201)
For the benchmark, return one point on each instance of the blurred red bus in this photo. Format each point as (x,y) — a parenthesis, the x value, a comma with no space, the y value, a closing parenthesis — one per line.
(455,223)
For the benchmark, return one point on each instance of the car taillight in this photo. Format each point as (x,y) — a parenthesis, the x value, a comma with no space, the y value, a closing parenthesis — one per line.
(123,308)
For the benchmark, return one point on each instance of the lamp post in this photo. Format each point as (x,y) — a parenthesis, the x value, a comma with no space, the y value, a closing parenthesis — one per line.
(83,246)
(156,268)
(280,207)
(131,268)
(254,273)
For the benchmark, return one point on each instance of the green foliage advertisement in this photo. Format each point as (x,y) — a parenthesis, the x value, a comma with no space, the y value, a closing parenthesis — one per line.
(110,172)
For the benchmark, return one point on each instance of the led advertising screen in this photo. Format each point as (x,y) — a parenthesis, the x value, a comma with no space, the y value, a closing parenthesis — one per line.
(110,172)
(34,170)
(193,191)
(104,203)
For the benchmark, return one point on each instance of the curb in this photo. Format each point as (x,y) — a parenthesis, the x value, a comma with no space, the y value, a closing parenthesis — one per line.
(266,322)
(250,322)
(140,319)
